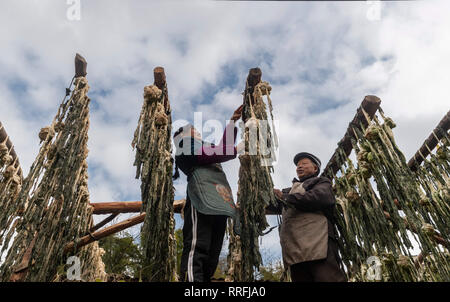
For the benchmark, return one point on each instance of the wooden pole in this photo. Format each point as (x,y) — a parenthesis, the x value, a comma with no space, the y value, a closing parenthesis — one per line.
(430,143)
(80,66)
(104,233)
(103,222)
(253,78)
(160,82)
(116,207)
(370,104)
(102,208)
(160,77)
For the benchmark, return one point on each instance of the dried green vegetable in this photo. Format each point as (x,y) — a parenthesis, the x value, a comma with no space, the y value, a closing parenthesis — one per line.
(255,187)
(54,198)
(382,206)
(154,167)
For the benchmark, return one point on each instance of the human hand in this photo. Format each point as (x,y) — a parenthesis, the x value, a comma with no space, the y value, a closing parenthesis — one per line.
(278,193)
(240,148)
(237,113)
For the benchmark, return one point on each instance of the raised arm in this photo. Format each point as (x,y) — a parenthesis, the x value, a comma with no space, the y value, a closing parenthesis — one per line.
(222,152)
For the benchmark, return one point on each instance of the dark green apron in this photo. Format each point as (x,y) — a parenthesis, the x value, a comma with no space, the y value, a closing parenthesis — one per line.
(210,192)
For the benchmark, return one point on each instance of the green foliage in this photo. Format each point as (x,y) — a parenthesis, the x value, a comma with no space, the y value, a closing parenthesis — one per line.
(122,255)
(179,247)
(271,272)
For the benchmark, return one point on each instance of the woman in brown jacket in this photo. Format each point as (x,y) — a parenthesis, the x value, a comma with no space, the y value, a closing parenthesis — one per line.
(307,235)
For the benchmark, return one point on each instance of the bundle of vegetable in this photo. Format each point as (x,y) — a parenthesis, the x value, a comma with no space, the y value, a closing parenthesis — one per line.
(385,220)
(255,188)
(10,181)
(154,167)
(54,196)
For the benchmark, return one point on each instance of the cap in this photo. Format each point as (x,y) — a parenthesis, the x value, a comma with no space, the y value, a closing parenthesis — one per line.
(313,158)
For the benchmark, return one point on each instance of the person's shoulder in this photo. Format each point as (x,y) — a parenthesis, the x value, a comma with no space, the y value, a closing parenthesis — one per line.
(324,179)
(316,180)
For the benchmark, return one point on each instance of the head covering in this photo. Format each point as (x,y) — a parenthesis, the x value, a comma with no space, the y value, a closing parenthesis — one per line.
(312,157)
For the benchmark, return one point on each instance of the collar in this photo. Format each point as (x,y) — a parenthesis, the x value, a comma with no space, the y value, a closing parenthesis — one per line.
(303,178)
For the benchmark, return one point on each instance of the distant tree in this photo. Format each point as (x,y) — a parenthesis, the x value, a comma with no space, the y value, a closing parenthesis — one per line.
(222,267)
(179,241)
(122,256)
(272,270)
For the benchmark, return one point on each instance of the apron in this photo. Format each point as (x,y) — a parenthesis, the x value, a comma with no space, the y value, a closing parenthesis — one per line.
(210,192)
(303,235)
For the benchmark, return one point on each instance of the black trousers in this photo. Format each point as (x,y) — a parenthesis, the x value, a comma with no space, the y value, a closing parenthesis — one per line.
(202,243)
(325,270)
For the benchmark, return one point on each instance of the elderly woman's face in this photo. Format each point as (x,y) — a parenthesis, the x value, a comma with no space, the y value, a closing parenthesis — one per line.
(305,167)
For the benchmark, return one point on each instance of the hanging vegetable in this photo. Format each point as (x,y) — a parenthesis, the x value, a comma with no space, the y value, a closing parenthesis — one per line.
(255,187)
(154,167)
(10,181)
(384,220)
(54,196)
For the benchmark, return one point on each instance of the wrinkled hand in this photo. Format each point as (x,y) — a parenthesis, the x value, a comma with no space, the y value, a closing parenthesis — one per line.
(278,193)
(237,113)
(240,148)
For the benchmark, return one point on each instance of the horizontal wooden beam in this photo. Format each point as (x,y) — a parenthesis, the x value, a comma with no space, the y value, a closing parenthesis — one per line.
(102,208)
(104,233)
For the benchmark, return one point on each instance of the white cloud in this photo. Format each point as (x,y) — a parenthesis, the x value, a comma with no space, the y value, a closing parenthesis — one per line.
(321,58)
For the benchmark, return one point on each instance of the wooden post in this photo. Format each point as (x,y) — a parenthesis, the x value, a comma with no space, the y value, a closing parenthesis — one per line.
(430,143)
(160,77)
(160,82)
(254,76)
(80,66)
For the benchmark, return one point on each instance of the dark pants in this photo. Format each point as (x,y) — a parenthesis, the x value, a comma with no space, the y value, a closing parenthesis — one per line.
(325,270)
(202,243)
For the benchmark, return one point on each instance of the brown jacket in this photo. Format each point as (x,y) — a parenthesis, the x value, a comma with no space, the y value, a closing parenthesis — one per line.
(305,227)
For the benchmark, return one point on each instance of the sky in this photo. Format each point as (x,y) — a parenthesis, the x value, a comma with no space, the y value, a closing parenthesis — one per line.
(321,59)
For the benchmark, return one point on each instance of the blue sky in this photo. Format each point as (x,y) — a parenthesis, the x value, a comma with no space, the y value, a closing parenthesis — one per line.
(321,58)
